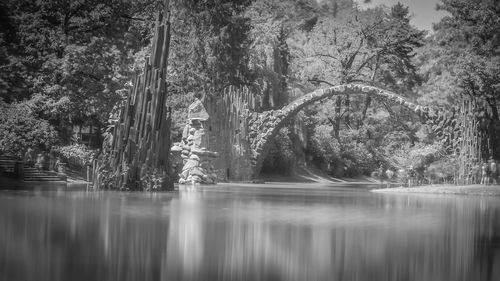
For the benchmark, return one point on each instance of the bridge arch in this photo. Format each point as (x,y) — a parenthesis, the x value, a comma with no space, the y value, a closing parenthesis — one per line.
(265,126)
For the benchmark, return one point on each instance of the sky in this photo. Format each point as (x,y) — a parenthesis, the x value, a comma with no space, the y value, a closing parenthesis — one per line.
(423,11)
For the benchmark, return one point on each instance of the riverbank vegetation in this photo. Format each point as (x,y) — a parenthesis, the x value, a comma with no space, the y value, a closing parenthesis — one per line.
(475,189)
(73,62)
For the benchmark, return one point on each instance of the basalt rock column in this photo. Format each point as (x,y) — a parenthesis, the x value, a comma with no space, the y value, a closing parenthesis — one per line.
(136,152)
(197,161)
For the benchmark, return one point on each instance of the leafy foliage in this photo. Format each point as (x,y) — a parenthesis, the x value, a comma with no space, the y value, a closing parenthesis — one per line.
(418,156)
(282,155)
(351,155)
(76,154)
(443,170)
(461,61)
(20,130)
(345,45)
(359,46)
(74,56)
(209,50)
(72,62)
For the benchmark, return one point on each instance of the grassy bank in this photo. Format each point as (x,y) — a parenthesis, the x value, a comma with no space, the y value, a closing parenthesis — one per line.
(312,174)
(473,189)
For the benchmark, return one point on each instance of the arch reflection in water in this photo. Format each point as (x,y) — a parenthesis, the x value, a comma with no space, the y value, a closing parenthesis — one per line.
(262,239)
(247,233)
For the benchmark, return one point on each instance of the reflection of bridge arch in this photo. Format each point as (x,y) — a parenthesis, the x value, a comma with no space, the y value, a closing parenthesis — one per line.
(266,125)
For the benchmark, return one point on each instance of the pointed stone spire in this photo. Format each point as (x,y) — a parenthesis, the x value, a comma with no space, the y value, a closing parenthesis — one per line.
(197,111)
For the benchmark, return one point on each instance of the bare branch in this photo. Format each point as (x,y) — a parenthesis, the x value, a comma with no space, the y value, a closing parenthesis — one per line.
(326,56)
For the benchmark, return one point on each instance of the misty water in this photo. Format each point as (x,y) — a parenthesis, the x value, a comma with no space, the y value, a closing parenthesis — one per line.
(247,232)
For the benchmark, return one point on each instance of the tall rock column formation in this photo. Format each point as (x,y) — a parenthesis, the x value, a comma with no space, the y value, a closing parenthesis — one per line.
(136,154)
(231,110)
(228,132)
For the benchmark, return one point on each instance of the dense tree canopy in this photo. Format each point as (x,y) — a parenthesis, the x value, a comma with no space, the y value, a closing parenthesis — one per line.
(72,62)
(461,61)
(21,129)
(345,45)
(71,57)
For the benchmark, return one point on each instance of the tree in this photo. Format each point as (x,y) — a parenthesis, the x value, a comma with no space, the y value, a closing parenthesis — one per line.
(374,47)
(467,58)
(209,50)
(20,129)
(73,58)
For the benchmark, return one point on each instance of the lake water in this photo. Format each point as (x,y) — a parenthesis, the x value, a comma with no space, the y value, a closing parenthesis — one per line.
(247,232)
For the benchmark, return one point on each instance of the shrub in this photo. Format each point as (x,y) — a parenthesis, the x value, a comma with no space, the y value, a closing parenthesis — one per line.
(419,156)
(77,154)
(351,156)
(443,170)
(323,145)
(281,158)
(20,130)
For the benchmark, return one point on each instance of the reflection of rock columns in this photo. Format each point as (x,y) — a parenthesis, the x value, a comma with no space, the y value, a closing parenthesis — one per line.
(185,239)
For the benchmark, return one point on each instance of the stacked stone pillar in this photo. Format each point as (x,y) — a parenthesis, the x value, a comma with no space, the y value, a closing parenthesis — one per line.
(191,153)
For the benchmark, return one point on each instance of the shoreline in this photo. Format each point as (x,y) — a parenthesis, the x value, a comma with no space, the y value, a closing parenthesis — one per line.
(471,189)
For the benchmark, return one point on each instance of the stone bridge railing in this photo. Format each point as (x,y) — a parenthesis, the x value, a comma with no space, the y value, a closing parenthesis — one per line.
(264,126)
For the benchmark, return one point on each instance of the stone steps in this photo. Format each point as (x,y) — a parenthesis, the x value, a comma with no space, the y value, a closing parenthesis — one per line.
(42,178)
(33,174)
(8,164)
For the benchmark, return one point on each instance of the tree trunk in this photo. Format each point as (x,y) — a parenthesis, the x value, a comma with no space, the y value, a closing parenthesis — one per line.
(348,111)
(338,107)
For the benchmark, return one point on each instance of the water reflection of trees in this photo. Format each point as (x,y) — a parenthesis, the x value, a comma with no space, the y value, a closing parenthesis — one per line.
(409,239)
(198,236)
(53,238)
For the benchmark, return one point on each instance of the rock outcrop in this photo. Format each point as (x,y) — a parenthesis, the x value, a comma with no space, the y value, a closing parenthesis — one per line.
(190,152)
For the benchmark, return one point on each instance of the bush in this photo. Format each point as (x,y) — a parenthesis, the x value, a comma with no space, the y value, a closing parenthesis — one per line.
(351,156)
(281,158)
(20,130)
(444,170)
(76,155)
(421,158)
(323,145)
(357,159)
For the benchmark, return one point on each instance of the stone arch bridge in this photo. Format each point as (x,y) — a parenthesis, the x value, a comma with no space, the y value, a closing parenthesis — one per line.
(264,126)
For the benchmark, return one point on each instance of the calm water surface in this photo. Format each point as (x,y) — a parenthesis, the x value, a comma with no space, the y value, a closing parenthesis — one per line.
(248,232)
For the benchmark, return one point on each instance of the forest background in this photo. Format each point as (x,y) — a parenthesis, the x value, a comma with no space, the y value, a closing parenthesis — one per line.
(72,62)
